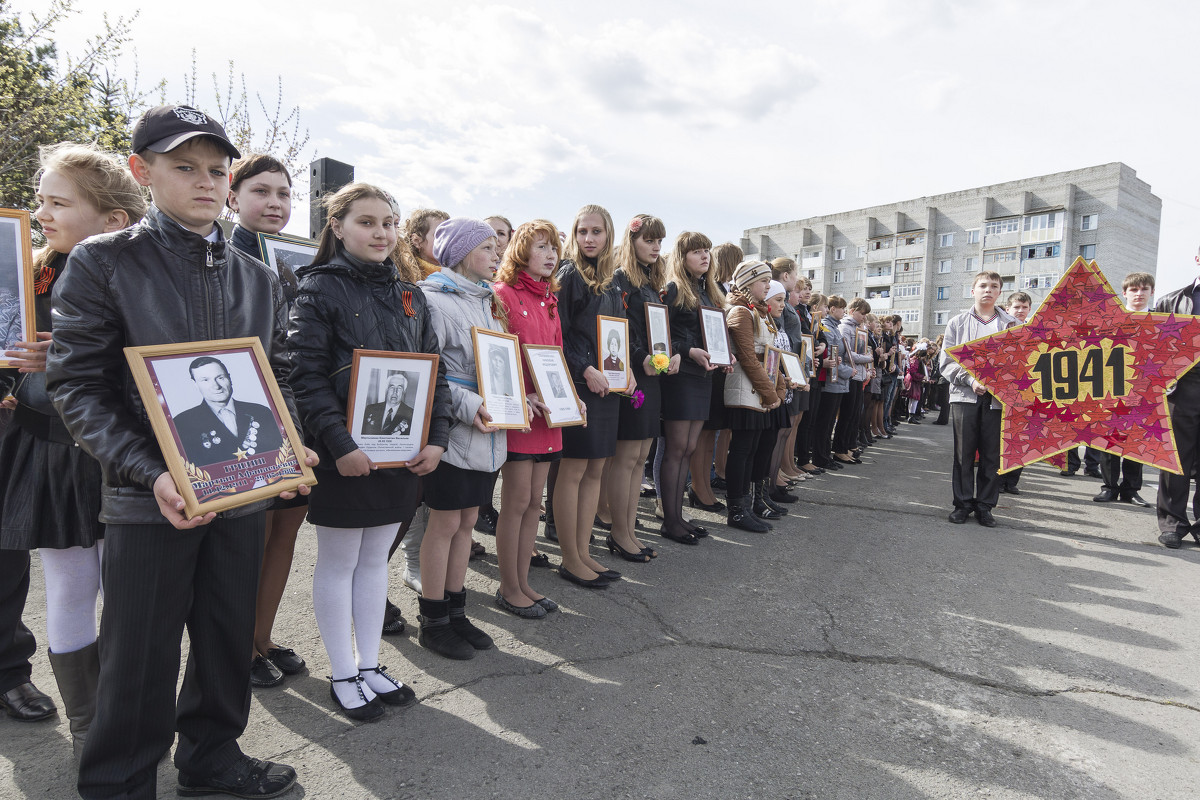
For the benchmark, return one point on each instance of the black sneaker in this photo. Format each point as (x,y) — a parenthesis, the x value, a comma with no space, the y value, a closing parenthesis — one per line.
(248,777)
(959,515)
(1171,539)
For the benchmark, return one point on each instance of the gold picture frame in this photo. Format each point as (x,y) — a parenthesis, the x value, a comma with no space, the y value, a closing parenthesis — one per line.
(391,439)
(501,383)
(215,467)
(552,379)
(18,322)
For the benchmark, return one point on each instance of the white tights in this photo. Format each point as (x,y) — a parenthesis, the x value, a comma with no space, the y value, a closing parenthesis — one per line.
(72,589)
(350,588)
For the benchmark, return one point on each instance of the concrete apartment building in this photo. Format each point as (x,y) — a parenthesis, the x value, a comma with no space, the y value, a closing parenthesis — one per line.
(916,258)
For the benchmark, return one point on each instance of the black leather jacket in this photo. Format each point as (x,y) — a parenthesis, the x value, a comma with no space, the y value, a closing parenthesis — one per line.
(578,307)
(1180,302)
(153,283)
(341,307)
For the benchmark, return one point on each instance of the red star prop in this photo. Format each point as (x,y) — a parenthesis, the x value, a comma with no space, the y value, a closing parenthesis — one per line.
(1083,370)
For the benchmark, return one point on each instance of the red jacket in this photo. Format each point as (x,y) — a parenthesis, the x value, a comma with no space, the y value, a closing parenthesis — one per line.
(533,316)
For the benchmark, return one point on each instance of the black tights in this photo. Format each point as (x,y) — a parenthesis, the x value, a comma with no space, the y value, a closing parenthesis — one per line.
(681,436)
(749,459)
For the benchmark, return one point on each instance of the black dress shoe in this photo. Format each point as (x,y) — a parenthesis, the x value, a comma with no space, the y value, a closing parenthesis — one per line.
(959,515)
(539,560)
(984,515)
(264,674)
(598,582)
(286,659)
(248,777)
(1171,539)
(1093,473)
(1134,498)
(486,522)
(393,621)
(1106,496)
(1010,490)
(25,703)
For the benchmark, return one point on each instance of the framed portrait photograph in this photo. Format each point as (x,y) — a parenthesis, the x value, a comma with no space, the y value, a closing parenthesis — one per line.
(612,342)
(716,336)
(17,322)
(860,342)
(552,379)
(658,329)
(807,354)
(293,252)
(770,361)
(793,367)
(501,380)
(221,422)
(388,408)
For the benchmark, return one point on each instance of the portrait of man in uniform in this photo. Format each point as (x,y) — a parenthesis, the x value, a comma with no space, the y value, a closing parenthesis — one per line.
(221,428)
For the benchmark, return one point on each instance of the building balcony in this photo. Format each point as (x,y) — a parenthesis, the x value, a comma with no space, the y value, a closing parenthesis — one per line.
(877,256)
(813,262)
(1000,240)
(879,304)
(910,250)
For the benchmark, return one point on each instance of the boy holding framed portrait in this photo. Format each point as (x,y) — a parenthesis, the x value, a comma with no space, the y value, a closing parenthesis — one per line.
(178,282)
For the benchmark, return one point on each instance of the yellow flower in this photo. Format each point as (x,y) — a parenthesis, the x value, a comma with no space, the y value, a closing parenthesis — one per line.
(660,362)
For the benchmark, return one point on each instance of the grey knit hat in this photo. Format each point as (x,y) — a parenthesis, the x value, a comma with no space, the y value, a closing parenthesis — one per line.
(455,238)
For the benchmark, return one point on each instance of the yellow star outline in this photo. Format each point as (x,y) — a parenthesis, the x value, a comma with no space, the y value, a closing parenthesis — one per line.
(241,454)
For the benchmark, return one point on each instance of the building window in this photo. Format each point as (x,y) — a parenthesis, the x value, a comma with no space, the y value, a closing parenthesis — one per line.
(972,263)
(1041,251)
(973,236)
(946,240)
(839,254)
(1008,285)
(945,265)
(839,275)
(999,226)
(1088,222)
(941,317)
(1038,281)
(917,238)
(999,256)
(811,274)
(943,293)
(913,290)
(814,254)
(862,250)
(912,315)
(858,274)
(880,244)
(1088,251)
(910,265)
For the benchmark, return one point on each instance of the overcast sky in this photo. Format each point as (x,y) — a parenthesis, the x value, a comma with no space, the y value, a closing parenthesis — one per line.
(715,116)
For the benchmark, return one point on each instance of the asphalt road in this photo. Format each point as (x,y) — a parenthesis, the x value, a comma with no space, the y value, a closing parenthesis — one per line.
(867,648)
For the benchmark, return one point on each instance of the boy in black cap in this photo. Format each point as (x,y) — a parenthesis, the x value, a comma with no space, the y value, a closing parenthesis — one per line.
(170,278)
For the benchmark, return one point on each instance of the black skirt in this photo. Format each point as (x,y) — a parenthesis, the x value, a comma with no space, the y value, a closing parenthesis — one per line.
(637,424)
(599,438)
(686,396)
(451,488)
(747,419)
(383,497)
(50,493)
(718,416)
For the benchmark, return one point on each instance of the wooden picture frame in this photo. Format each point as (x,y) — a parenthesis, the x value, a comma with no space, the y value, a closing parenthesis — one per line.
(658,329)
(390,403)
(552,380)
(793,367)
(18,322)
(215,467)
(716,336)
(770,361)
(612,362)
(861,342)
(500,378)
(808,355)
(293,251)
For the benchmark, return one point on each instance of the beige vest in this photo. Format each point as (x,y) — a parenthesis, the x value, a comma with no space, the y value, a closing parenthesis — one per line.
(739,393)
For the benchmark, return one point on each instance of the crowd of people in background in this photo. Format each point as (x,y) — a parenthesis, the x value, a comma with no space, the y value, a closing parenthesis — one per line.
(739,437)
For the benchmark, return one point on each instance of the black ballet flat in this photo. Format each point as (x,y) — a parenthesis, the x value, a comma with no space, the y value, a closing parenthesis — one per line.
(699,531)
(598,582)
(372,711)
(640,557)
(695,502)
(687,537)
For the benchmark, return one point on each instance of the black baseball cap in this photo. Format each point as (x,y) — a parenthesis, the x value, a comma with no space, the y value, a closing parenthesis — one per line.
(163,128)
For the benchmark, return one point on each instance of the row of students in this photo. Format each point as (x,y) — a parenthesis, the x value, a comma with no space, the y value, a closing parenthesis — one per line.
(174,278)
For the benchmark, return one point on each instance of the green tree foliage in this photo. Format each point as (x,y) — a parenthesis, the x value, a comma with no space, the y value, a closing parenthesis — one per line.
(46,99)
(94,96)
